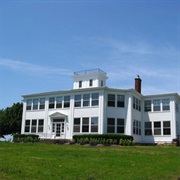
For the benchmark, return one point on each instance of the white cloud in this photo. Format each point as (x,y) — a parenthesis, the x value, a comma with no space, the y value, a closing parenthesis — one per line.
(32,68)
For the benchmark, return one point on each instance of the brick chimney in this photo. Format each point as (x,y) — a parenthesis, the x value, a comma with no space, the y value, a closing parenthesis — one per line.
(138,84)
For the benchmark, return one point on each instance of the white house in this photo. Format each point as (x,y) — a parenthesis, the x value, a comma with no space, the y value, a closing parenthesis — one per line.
(92,108)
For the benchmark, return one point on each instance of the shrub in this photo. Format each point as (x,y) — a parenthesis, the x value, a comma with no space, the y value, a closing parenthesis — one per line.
(102,138)
(25,138)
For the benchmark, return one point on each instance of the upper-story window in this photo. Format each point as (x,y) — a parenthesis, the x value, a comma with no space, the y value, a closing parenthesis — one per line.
(77,100)
(42,103)
(80,84)
(28,104)
(147,105)
(136,104)
(102,83)
(59,102)
(66,101)
(95,99)
(111,100)
(165,104)
(86,99)
(90,82)
(51,102)
(120,100)
(35,104)
(156,105)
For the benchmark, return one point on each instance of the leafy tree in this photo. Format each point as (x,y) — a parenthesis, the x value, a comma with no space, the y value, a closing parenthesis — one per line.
(10,119)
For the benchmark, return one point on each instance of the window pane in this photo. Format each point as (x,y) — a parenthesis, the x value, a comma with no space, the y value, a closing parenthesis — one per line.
(35,104)
(28,105)
(94,120)
(51,102)
(156,105)
(157,124)
(59,102)
(85,121)
(157,131)
(147,105)
(42,103)
(77,101)
(66,101)
(111,100)
(120,129)
(120,121)
(94,128)
(166,105)
(77,121)
(86,98)
(120,100)
(111,121)
(76,128)
(166,124)
(110,129)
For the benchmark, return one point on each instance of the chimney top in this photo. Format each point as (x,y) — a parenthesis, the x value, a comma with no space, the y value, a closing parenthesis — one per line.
(138,84)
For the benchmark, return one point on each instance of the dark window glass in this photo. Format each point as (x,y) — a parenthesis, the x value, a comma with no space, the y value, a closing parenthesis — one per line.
(111,100)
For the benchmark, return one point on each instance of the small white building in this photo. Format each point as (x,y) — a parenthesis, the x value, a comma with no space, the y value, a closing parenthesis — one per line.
(92,108)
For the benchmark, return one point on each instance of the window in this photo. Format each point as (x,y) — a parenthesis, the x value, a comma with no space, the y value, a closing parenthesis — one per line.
(66,101)
(136,127)
(120,125)
(28,105)
(120,100)
(76,124)
(148,128)
(147,105)
(157,128)
(95,99)
(136,104)
(102,83)
(110,125)
(42,103)
(94,124)
(80,84)
(86,98)
(111,100)
(51,102)
(156,105)
(27,126)
(40,125)
(33,126)
(85,124)
(59,102)
(166,128)
(165,104)
(90,82)
(77,101)
(35,104)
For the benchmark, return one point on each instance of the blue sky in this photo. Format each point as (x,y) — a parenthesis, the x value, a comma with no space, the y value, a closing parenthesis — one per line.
(43,42)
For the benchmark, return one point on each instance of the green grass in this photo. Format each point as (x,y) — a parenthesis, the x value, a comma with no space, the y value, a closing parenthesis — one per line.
(75,162)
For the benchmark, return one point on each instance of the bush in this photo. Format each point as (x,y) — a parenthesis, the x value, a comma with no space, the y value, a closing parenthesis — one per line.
(102,138)
(25,138)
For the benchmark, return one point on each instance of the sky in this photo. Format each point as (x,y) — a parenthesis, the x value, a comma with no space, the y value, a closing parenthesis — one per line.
(43,42)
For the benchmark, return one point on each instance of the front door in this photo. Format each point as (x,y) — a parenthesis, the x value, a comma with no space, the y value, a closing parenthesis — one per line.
(58,128)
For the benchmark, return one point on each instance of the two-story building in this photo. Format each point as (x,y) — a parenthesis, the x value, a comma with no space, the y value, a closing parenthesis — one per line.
(92,108)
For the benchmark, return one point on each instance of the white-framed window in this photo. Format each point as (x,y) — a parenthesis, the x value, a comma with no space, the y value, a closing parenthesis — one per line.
(136,127)
(80,84)
(147,105)
(85,125)
(28,104)
(120,125)
(166,128)
(165,104)
(27,126)
(90,82)
(111,125)
(120,101)
(59,101)
(66,101)
(156,105)
(35,104)
(42,103)
(77,100)
(95,99)
(94,124)
(136,103)
(157,127)
(51,102)
(147,128)
(34,126)
(86,100)
(111,100)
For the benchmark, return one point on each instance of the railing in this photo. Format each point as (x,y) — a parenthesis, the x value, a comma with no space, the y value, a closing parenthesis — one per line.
(89,71)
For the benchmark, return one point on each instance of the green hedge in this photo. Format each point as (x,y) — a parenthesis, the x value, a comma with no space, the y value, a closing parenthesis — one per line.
(103,139)
(25,138)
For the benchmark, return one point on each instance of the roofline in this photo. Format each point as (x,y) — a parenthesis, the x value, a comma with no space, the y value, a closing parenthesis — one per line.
(166,94)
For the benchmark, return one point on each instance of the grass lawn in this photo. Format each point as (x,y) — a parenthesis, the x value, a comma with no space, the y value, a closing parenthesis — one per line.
(76,162)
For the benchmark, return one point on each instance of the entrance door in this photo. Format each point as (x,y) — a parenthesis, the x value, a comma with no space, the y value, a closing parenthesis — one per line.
(58,129)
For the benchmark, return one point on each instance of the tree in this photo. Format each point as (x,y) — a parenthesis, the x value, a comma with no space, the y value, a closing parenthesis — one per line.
(10,119)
